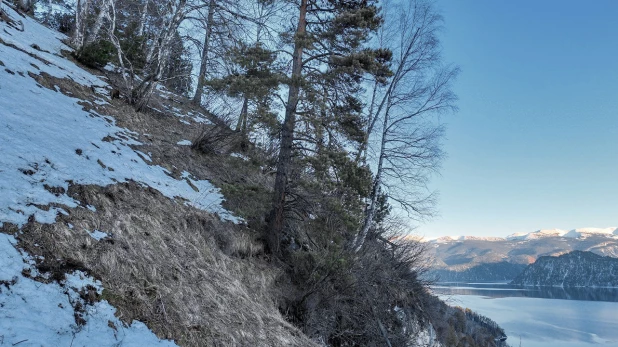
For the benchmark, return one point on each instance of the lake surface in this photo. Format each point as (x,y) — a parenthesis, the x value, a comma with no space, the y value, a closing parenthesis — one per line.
(547,317)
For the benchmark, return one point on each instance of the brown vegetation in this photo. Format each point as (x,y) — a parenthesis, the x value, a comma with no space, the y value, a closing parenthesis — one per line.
(186,274)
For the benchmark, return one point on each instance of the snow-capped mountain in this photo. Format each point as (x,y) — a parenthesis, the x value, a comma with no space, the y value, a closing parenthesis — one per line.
(537,234)
(574,233)
(586,232)
(445,239)
(534,235)
(473,258)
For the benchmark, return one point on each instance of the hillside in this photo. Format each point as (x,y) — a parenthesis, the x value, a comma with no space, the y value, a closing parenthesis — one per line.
(106,209)
(120,227)
(574,269)
(484,272)
(482,259)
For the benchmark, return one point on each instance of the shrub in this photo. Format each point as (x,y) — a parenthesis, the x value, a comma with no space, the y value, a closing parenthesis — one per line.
(215,139)
(96,54)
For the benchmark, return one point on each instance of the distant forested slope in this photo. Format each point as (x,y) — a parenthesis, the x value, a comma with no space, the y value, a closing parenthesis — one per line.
(575,269)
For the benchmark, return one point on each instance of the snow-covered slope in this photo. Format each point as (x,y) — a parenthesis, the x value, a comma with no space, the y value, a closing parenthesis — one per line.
(574,233)
(47,314)
(586,232)
(48,139)
(537,234)
(445,239)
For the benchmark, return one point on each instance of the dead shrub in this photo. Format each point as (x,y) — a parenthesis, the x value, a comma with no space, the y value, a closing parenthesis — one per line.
(240,244)
(216,139)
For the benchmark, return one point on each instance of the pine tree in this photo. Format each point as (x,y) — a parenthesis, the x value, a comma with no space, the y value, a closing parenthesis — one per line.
(329,58)
(253,78)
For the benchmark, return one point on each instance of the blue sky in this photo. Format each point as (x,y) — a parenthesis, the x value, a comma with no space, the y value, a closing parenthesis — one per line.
(534,144)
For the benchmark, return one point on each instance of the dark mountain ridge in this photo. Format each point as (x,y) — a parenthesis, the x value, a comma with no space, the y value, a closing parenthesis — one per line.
(574,269)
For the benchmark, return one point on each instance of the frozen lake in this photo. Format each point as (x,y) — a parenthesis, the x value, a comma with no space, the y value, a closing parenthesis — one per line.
(549,317)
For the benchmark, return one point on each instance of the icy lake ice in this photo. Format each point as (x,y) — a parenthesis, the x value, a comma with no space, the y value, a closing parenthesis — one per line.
(539,317)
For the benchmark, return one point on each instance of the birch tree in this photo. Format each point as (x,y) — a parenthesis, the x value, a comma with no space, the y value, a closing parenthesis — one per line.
(403,129)
(81,14)
(177,13)
(159,48)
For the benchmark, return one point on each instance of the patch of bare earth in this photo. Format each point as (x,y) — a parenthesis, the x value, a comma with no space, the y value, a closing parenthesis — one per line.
(160,128)
(186,274)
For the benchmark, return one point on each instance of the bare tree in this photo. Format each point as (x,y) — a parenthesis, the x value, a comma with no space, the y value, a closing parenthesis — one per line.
(400,126)
(226,23)
(172,14)
(143,18)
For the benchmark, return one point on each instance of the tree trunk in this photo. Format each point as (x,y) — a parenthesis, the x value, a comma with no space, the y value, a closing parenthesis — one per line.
(197,99)
(243,114)
(241,126)
(359,240)
(276,218)
(81,12)
(361,156)
(142,22)
(142,92)
(104,12)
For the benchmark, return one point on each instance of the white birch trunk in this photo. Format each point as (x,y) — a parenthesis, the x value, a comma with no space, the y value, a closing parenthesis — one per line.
(104,13)
(145,89)
(142,22)
(359,240)
(81,13)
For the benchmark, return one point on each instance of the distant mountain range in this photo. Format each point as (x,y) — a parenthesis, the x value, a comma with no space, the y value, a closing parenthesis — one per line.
(575,233)
(575,269)
(470,258)
(543,233)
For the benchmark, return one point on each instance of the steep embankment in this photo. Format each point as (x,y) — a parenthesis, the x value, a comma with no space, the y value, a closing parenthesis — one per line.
(575,269)
(112,228)
(114,217)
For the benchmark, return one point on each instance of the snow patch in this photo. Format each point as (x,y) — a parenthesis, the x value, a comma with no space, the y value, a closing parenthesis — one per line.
(240,156)
(97,235)
(48,140)
(39,314)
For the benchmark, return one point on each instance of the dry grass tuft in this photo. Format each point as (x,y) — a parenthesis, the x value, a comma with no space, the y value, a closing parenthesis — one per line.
(216,139)
(186,274)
